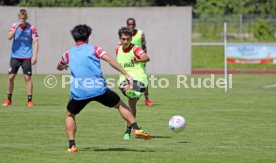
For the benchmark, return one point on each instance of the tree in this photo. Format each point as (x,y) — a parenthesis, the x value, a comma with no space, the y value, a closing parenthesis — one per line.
(9,2)
(54,3)
(174,2)
(225,7)
(263,31)
(121,3)
(260,7)
(215,7)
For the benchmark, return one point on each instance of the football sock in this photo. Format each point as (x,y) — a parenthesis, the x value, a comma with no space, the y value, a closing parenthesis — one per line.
(71,143)
(9,96)
(128,130)
(30,97)
(135,126)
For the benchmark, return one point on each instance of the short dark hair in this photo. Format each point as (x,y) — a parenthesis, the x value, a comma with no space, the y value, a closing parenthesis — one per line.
(134,21)
(125,30)
(81,32)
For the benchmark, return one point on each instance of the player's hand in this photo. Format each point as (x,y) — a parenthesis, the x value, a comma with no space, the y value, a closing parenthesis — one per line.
(65,67)
(134,59)
(62,67)
(130,80)
(34,60)
(128,77)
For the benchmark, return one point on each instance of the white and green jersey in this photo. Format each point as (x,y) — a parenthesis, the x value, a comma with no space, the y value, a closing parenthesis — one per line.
(135,70)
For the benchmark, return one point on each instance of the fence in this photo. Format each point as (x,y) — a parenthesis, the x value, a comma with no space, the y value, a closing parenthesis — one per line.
(240,27)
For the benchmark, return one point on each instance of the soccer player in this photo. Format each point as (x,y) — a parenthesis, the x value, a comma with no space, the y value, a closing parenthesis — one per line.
(23,54)
(139,39)
(132,58)
(88,83)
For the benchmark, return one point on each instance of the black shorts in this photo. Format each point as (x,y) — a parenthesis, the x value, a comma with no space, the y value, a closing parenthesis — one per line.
(26,65)
(109,98)
(137,86)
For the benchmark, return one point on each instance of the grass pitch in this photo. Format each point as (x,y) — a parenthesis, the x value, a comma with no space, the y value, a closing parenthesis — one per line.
(238,126)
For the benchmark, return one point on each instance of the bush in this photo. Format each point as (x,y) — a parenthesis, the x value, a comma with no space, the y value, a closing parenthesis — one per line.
(262,31)
(53,3)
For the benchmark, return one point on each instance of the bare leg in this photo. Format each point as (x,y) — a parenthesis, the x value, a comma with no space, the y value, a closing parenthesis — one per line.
(146,93)
(132,104)
(147,100)
(70,125)
(29,84)
(10,83)
(128,116)
(125,112)
(131,101)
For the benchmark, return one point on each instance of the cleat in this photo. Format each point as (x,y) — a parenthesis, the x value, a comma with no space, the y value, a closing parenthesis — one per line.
(148,102)
(133,94)
(30,104)
(142,134)
(7,103)
(73,149)
(127,136)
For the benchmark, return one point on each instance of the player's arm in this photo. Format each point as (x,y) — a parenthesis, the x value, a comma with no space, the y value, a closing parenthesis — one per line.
(100,53)
(63,63)
(35,45)
(12,31)
(142,58)
(144,46)
(35,52)
(112,62)
(140,55)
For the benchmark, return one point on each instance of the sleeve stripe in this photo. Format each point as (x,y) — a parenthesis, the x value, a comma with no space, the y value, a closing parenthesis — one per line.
(34,33)
(102,54)
(99,52)
(64,59)
(138,51)
(67,57)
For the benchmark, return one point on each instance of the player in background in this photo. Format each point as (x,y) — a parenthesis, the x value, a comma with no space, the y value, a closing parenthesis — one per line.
(139,39)
(132,58)
(23,54)
(88,83)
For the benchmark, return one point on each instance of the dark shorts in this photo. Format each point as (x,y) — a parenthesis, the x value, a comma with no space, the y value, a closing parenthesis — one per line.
(26,65)
(137,86)
(109,98)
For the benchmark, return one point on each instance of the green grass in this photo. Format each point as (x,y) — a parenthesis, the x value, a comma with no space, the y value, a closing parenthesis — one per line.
(212,57)
(238,126)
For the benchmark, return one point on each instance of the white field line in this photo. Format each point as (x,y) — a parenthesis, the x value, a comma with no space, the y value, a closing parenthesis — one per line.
(269,86)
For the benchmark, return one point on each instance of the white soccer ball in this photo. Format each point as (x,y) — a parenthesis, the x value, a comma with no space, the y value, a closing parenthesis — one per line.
(177,123)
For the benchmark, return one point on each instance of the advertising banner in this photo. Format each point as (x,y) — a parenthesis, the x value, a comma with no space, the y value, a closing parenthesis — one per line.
(251,54)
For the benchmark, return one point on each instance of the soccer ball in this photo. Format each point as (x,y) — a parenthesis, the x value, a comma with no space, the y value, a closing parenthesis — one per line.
(177,123)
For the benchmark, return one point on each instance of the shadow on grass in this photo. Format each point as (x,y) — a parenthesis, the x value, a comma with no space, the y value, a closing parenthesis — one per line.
(154,106)
(46,104)
(114,149)
(156,137)
(161,137)
(184,142)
